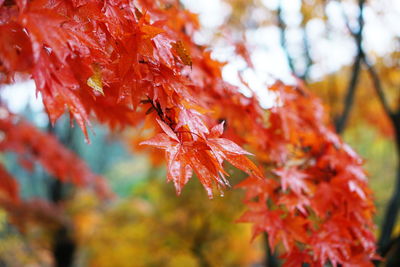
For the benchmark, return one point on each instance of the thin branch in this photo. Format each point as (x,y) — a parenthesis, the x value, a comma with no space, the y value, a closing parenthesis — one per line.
(393,206)
(356,69)
(377,85)
(282,33)
(385,250)
(346,20)
(390,217)
(350,93)
(307,54)
(270,258)
(372,72)
(306,46)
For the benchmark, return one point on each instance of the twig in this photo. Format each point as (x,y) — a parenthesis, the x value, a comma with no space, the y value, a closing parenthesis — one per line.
(393,206)
(389,221)
(282,33)
(351,88)
(377,85)
(390,217)
(309,61)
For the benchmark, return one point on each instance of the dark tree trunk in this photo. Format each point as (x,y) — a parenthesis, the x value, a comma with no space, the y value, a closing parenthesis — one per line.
(393,207)
(393,258)
(270,258)
(64,246)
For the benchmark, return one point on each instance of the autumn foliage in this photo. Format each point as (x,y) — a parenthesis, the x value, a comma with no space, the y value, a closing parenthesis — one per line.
(134,63)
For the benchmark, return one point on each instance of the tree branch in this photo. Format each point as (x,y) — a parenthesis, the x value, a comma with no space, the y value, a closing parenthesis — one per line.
(282,33)
(385,250)
(394,202)
(307,55)
(341,120)
(356,69)
(377,85)
(389,221)
(393,206)
(270,258)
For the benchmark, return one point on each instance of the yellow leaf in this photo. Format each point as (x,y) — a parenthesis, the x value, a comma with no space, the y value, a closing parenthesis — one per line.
(149,32)
(95,80)
(183,54)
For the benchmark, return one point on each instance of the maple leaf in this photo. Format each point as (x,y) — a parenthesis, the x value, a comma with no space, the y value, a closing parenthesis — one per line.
(15,50)
(149,31)
(192,119)
(324,199)
(178,168)
(297,257)
(295,202)
(231,152)
(256,188)
(204,155)
(8,185)
(294,179)
(182,52)
(332,241)
(266,221)
(322,205)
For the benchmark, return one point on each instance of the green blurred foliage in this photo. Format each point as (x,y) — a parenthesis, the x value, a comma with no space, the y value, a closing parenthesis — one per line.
(155,228)
(28,250)
(380,161)
(148,226)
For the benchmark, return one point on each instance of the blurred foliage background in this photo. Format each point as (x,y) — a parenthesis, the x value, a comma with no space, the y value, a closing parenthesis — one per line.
(147,225)
(326,43)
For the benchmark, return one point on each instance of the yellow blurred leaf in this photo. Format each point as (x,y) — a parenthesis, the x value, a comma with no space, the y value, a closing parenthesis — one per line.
(182,52)
(95,81)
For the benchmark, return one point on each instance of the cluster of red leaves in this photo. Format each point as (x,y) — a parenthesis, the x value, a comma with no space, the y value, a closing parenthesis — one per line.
(204,154)
(8,186)
(123,61)
(33,146)
(315,200)
(24,214)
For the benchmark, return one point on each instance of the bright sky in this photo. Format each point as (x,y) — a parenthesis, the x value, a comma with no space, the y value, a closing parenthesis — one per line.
(331,53)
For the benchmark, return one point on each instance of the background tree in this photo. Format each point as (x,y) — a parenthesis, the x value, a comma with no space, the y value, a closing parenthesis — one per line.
(360,86)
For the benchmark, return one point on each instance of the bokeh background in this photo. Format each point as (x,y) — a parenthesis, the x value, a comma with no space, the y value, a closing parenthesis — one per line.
(347,52)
